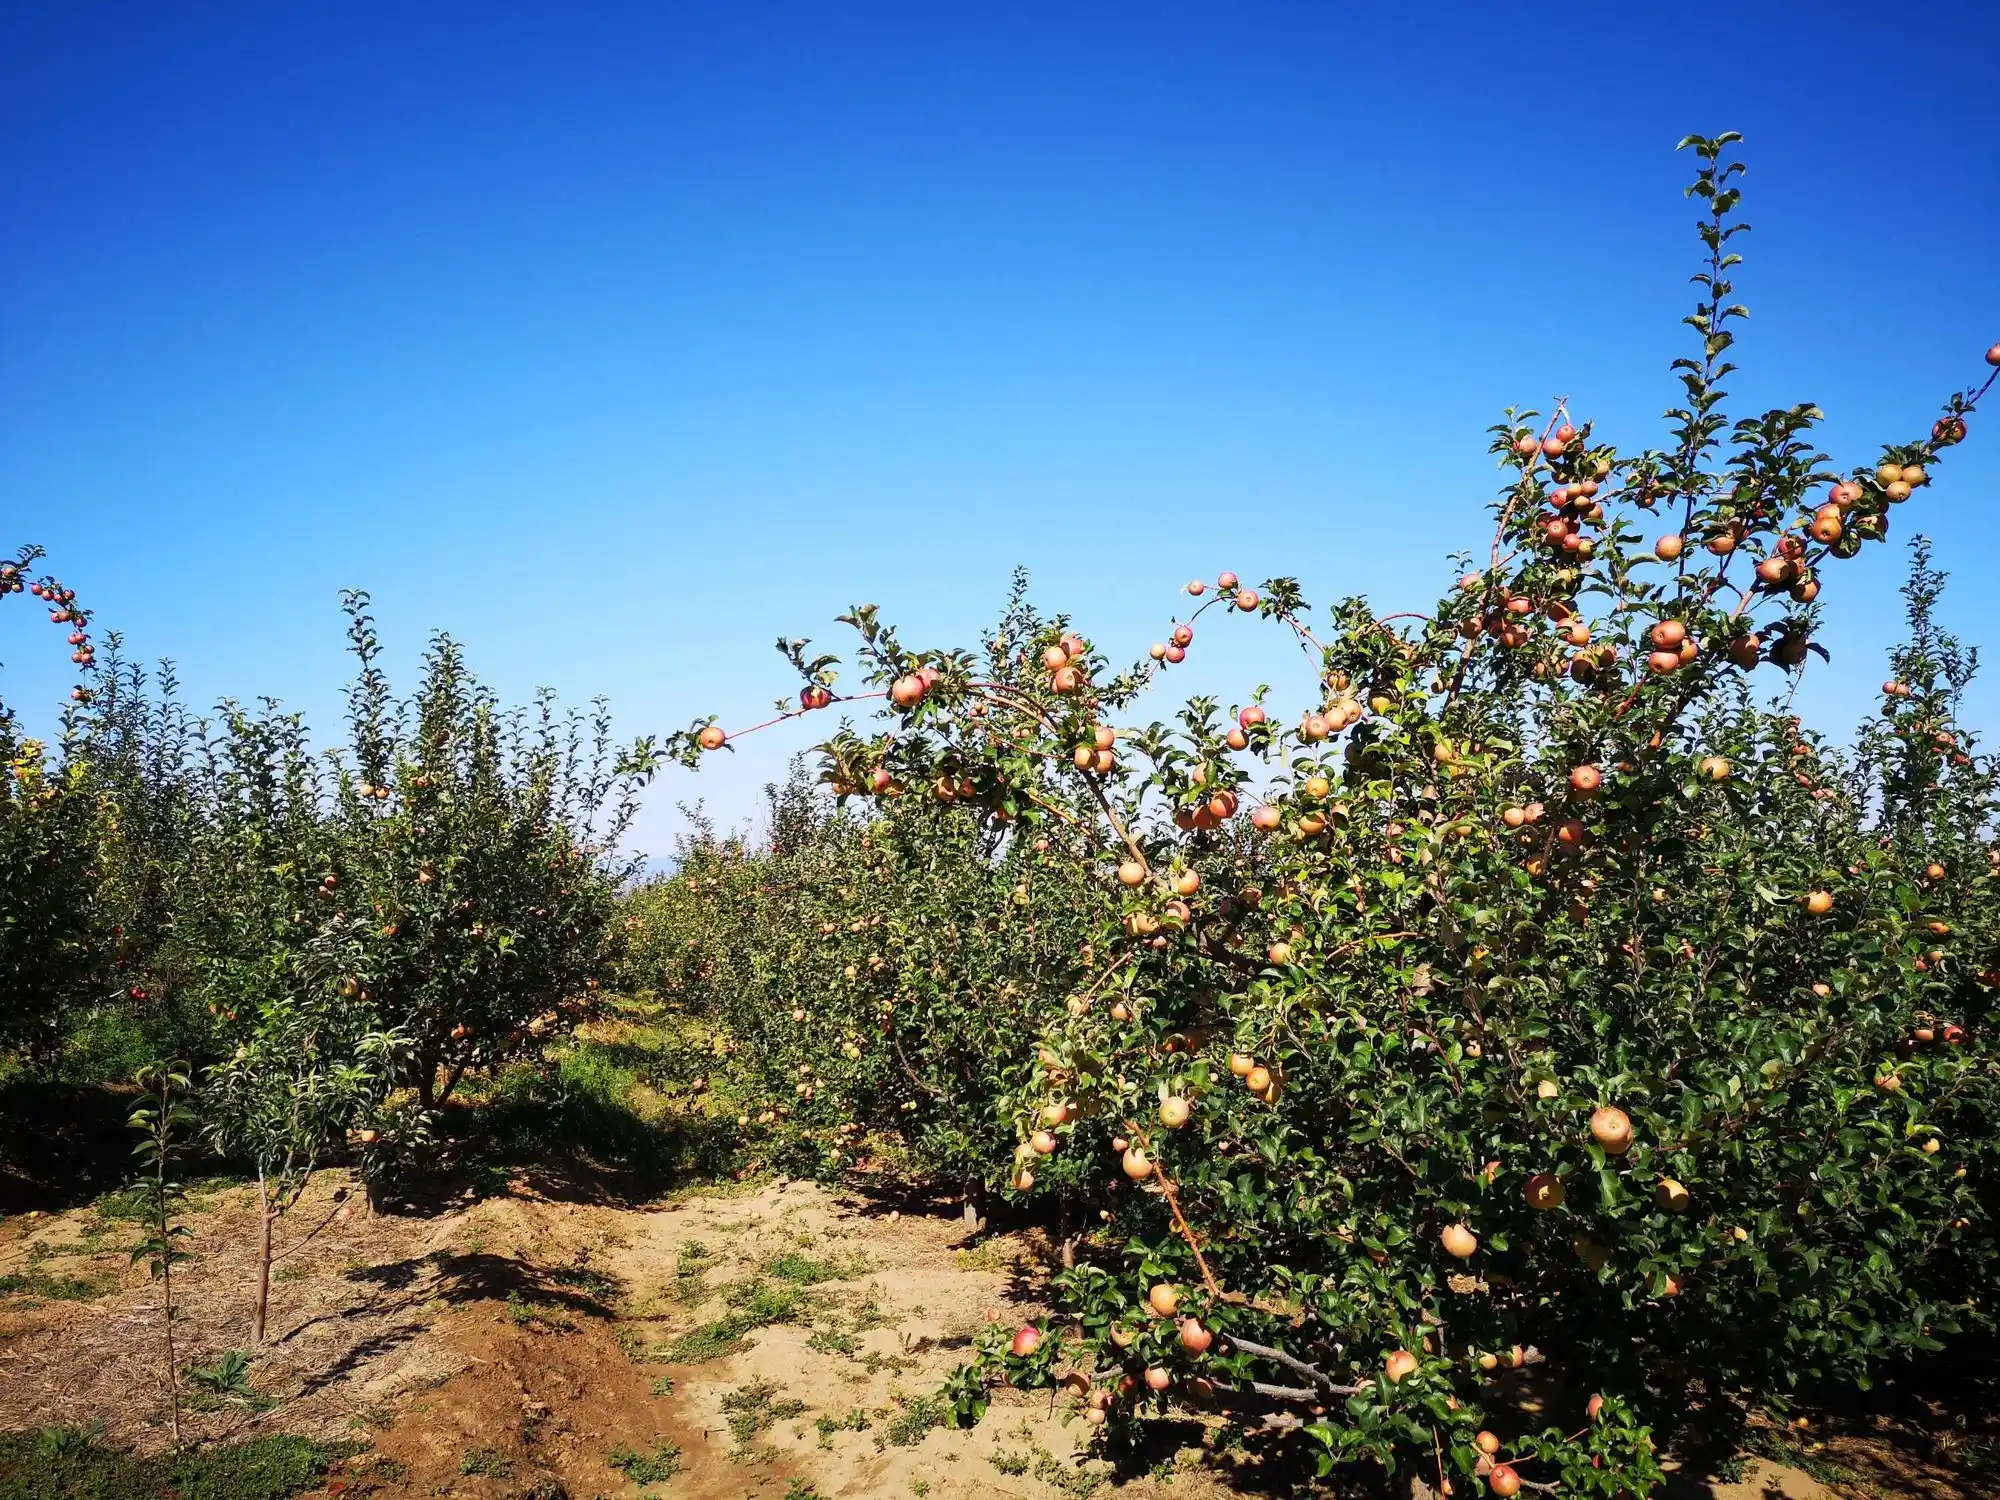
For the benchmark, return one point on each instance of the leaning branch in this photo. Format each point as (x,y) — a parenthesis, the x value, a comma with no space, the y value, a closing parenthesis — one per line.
(1324,1381)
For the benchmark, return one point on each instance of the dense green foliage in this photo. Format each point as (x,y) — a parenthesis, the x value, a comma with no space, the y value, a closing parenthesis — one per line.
(870,980)
(1568,1002)
(50,961)
(333,938)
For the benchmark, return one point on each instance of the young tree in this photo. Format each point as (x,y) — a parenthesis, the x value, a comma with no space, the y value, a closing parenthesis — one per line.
(164,1116)
(474,862)
(299,1082)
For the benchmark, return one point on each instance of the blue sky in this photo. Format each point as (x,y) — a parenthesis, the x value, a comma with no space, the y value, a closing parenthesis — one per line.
(620,339)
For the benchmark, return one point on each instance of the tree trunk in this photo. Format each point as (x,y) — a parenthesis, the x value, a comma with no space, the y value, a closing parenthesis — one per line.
(263,1258)
(451,1079)
(167,1318)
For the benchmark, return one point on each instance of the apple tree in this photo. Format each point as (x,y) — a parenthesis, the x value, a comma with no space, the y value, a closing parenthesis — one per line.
(1523,999)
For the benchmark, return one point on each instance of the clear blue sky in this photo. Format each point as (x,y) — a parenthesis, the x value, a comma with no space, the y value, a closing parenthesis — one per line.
(620,338)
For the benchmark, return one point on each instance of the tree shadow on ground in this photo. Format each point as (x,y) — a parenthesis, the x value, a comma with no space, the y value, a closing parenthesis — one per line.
(537,1297)
(1271,1464)
(386,1341)
(477,1276)
(875,1197)
(567,1146)
(61,1144)
(1929,1427)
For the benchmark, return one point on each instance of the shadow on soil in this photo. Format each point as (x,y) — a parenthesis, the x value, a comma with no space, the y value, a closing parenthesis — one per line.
(1928,1429)
(546,1299)
(61,1144)
(545,1292)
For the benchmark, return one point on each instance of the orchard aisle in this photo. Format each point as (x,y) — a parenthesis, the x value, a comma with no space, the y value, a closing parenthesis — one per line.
(737,1343)
(776,1341)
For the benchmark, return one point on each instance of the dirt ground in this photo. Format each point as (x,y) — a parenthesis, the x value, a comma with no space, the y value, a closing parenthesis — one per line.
(774,1342)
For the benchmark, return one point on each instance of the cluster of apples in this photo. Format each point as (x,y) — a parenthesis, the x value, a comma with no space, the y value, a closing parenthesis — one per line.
(1570,834)
(1572,505)
(1213,808)
(66,613)
(1261,1081)
(1950,1033)
(1786,570)
(1915,729)
(1176,913)
(1099,753)
(1067,663)
(1508,618)
(82,652)
(1553,446)
(1042,1142)
(1098,1398)
(1342,711)
(1501,1477)
(1173,650)
(907,691)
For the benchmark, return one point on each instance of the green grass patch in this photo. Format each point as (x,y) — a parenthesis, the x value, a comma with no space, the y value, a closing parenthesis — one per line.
(637,1350)
(1779,1447)
(910,1425)
(1077,1484)
(663,1463)
(987,1255)
(43,1287)
(595,1109)
(67,1464)
(754,1407)
(227,1381)
(690,1271)
(523,1313)
(725,1336)
(127,1205)
(753,1305)
(803,1270)
(856,1420)
(593,1284)
(767,1303)
(488,1463)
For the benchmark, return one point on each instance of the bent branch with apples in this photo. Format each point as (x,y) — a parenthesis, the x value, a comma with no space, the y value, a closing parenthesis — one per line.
(1521,998)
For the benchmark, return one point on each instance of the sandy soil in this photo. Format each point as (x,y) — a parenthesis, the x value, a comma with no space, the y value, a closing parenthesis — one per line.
(524,1348)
